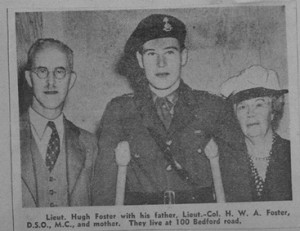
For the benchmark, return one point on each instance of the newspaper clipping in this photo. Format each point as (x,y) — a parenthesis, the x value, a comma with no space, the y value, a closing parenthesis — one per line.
(154,115)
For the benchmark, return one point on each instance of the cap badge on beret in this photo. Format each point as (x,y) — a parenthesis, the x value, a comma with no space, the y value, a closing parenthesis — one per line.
(167,27)
(155,26)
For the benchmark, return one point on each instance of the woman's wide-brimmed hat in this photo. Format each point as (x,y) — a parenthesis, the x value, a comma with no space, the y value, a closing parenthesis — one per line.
(255,81)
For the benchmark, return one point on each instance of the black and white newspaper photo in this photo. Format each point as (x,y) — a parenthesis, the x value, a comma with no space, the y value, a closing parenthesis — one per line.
(150,115)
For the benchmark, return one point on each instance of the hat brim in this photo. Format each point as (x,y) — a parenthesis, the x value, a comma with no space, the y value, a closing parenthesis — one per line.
(254,93)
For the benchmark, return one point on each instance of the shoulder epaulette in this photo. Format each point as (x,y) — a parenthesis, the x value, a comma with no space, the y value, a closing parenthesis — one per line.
(130,95)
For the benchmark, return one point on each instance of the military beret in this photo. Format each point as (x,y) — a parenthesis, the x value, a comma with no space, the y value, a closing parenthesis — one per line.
(153,27)
(255,81)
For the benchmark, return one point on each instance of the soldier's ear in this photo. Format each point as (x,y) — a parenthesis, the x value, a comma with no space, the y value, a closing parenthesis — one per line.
(139,57)
(73,78)
(28,78)
(184,56)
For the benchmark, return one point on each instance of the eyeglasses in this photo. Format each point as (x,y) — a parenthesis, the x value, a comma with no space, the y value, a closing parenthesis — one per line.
(43,72)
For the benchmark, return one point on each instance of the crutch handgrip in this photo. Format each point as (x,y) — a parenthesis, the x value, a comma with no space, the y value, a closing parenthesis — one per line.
(122,152)
(212,153)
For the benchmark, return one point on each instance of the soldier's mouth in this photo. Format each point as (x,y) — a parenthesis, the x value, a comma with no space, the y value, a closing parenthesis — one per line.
(162,74)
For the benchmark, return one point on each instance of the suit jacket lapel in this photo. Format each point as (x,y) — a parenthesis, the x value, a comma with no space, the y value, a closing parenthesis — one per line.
(27,168)
(74,153)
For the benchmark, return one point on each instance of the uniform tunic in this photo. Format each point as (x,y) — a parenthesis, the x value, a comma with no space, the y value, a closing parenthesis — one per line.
(198,116)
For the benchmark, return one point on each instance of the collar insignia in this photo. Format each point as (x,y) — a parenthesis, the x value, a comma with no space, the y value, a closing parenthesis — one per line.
(167,26)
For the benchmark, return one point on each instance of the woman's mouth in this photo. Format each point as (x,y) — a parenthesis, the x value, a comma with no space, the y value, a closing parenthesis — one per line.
(252,124)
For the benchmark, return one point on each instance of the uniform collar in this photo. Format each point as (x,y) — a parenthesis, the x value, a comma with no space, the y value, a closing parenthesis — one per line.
(172,98)
(165,92)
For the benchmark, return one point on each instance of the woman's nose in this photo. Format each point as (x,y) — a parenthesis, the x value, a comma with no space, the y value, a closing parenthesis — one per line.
(250,111)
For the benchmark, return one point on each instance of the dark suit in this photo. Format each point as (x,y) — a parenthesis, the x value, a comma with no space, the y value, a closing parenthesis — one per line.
(81,151)
(198,116)
(278,185)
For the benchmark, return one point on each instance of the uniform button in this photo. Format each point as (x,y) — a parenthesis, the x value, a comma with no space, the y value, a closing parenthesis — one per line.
(136,155)
(52,204)
(197,131)
(169,168)
(169,142)
(199,150)
(51,192)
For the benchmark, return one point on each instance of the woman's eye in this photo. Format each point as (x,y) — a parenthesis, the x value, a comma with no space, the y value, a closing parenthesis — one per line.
(260,103)
(241,107)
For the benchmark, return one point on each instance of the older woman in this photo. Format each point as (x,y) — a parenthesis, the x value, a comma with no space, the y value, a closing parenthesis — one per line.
(257,101)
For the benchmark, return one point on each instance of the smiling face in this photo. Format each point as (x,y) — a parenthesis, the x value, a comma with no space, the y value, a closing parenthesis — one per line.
(162,60)
(255,116)
(49,94)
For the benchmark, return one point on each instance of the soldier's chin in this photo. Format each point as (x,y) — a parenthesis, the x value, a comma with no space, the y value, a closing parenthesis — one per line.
(162,85)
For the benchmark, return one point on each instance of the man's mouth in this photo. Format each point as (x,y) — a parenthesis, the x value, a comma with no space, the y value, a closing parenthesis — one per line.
(162,74)
(50,92)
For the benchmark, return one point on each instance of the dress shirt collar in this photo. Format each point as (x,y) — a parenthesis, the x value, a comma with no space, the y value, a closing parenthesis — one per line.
(39,123)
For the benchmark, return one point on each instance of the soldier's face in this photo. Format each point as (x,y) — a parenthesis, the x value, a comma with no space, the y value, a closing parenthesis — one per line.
(49,93)
(162,60)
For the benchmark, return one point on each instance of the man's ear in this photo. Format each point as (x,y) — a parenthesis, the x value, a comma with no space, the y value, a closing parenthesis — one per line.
(184,56)
(28,78)
(72,80)
(139,57)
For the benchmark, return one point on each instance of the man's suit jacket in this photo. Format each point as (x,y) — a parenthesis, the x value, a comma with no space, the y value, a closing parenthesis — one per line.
(81,151)
(198,116)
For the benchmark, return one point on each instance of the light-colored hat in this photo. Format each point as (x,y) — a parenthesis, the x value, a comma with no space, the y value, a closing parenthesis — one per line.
(255,81)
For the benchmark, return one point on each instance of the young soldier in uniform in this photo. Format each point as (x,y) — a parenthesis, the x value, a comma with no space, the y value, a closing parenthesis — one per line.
(166,123)
(56,156)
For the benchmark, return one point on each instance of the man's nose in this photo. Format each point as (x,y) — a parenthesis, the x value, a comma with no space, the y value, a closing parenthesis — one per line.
(161,60)
(51,79)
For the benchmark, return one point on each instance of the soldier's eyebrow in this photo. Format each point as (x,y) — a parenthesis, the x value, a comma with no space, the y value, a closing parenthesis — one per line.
(165,48)
(171,47)
(146,50)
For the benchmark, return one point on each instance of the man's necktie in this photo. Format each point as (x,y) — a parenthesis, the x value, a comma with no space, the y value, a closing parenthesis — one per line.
(164,107)
(53,148)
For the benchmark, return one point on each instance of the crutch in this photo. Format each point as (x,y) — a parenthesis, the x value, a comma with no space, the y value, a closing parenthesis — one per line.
(122,153)
(211,151)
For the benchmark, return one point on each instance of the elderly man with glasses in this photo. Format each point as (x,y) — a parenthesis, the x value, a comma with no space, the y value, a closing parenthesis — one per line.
(56,156)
